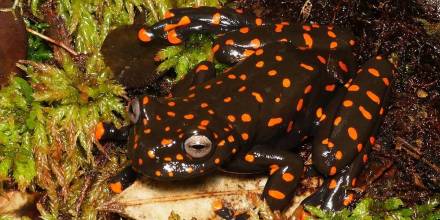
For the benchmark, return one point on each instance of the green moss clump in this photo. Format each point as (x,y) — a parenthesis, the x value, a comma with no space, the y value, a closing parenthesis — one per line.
(392,208)
(16,126)
(184,57)
(156,9)
(38,50)
(69,103)
(89,21)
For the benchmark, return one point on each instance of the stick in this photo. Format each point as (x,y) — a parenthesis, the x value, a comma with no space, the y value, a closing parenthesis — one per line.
(413,152)
(85,189)
(60,44)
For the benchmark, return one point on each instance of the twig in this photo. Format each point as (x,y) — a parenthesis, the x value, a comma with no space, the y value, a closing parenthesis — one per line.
(102,150)
(304,14)
(60,44)
(413,152)
(11,8)
(408,145)
(83,193)
(378,173)
(6,9)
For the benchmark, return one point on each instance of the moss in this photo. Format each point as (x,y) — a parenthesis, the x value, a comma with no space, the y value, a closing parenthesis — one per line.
(16,154)
(47,121)
(184,57)
(392,208)
(38,50)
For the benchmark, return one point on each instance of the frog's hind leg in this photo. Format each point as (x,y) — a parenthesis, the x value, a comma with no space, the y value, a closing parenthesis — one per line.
(202,72)
(343,140)
(330,46)
(285,169)
(183,21)
(121,181)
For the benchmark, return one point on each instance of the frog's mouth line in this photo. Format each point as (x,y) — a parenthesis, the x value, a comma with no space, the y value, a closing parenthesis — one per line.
(176,170)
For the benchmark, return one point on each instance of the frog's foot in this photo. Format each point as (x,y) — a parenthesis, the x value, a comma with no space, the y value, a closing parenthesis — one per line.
(180,23)
(337,192)
(283,180)
(202,72)
(228,214)
(285,169)
(121,181)
(107,132)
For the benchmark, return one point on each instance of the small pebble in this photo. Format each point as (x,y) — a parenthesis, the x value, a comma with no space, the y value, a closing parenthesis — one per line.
(422,93)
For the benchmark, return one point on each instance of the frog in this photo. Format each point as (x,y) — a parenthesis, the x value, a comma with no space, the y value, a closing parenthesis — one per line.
(288,85)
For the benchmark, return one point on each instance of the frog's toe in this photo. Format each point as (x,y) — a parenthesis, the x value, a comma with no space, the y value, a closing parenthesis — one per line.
(331,199)
(337,191)
(108,132)
(121,181)
(316,198)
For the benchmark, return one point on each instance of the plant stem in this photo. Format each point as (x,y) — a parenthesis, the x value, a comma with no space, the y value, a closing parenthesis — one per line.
(60,44)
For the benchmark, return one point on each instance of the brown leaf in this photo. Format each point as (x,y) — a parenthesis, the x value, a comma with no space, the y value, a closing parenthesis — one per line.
(156,200)
(13,41)
(16,204)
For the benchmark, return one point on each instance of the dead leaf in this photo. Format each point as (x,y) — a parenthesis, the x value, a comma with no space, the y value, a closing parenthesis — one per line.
(13,41)
(16,204)
(148,199)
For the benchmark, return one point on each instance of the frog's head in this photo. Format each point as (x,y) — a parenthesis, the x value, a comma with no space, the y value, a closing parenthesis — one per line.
(177,139)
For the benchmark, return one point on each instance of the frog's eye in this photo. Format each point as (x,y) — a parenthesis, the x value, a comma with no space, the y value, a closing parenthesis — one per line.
(198,146)
(134,110)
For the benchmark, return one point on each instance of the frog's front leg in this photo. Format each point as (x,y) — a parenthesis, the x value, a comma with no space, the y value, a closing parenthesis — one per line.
(122,180)
(107,132)
(284,168)
(341,143)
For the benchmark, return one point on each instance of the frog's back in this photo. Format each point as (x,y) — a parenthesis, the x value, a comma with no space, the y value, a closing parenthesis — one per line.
(263,95)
